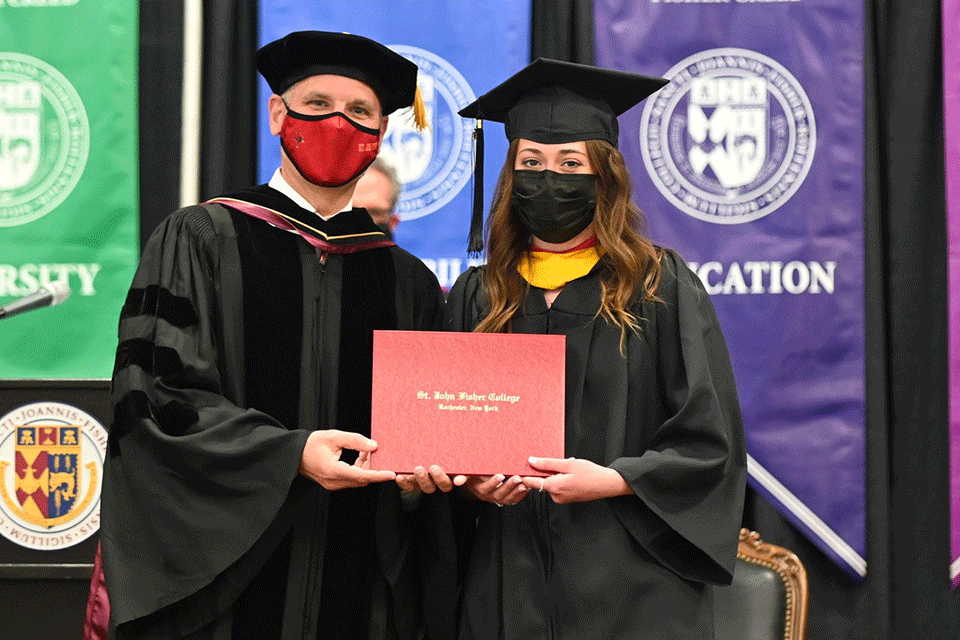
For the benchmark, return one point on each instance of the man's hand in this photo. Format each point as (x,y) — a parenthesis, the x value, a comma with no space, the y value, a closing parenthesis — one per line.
(576,480)
(321,462)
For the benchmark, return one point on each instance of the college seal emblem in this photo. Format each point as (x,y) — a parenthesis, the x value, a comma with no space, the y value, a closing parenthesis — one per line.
(434,164)
(44,138)
(51,463)
(731,138)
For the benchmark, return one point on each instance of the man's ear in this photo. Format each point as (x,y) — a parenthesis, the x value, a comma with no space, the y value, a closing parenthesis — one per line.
(277,110)
(383,126)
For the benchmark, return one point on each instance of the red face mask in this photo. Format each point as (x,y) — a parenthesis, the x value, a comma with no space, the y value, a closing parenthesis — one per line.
(328,150)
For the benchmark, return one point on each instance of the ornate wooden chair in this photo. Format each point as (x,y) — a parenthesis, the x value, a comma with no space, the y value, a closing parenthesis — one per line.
(768,597)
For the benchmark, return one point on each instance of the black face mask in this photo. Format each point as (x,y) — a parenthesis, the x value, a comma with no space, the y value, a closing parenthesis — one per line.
(554,207)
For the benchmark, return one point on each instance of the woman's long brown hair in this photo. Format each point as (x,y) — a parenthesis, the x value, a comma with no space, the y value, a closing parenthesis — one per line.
(629,260)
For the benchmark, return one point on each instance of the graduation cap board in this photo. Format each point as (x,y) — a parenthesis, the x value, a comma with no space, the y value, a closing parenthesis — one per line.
(550,101)
(302,54)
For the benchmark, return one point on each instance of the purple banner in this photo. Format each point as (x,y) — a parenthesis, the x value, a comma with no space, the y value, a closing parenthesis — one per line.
(750,163)
(951,112)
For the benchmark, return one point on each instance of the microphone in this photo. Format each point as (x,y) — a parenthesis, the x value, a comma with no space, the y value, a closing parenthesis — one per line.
(46,296)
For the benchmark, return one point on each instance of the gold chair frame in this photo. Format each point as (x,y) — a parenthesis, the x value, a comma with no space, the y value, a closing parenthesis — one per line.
(791,571)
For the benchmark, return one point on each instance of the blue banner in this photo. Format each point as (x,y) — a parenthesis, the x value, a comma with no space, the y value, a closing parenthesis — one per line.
(461,47)
(750,163)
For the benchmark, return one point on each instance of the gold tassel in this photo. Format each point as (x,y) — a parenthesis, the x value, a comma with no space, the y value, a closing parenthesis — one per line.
(419,111)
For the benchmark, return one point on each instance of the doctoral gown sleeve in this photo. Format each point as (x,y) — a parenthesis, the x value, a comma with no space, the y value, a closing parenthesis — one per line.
(690,479)
(192,480)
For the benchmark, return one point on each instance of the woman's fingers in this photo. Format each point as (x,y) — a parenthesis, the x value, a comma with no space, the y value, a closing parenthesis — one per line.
(440,478)
(509,491)
(407,483)
(424,480)
(497,489)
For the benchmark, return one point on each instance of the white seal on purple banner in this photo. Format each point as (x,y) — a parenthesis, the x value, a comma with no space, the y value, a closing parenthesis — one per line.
(434,164)
(731,138)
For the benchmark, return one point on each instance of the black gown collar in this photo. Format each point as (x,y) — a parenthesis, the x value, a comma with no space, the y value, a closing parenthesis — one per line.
(346,232)
(579,297)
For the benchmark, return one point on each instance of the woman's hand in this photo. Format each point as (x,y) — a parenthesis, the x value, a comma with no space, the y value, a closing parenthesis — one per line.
(576,480)
(497,489)
(422,480)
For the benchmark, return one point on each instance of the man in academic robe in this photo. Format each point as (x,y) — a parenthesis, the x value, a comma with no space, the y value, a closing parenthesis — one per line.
(238,501)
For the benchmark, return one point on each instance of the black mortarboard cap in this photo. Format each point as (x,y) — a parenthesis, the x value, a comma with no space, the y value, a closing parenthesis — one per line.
(302,54)
(550,101)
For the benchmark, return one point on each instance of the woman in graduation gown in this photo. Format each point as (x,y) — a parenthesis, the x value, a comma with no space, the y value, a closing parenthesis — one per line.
(625,536)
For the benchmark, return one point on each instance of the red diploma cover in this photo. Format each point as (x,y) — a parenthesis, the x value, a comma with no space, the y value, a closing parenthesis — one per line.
(473,403)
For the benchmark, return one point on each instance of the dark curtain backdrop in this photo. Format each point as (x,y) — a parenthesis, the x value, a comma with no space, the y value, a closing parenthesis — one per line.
(229,146)
(160,82)
(907,591)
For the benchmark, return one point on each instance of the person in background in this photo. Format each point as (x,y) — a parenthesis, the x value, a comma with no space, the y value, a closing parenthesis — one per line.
(378,191)
(238,501)
(623,537)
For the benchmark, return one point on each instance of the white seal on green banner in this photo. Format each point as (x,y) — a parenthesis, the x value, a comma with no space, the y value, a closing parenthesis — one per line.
(44,138)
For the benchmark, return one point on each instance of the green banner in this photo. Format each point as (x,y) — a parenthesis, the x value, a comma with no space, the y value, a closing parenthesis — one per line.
(68,180)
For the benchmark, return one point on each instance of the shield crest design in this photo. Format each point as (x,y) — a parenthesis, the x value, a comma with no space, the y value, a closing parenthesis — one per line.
(21,113)
(47,471)
(404,147)
(728,121)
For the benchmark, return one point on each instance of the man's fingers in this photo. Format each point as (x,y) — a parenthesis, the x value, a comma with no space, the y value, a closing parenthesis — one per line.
(348,440)
(363,460)
(371,475)
(360,477)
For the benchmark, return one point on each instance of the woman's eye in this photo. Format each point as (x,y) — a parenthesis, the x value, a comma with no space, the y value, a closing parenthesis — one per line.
(529,162)
(572,164)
